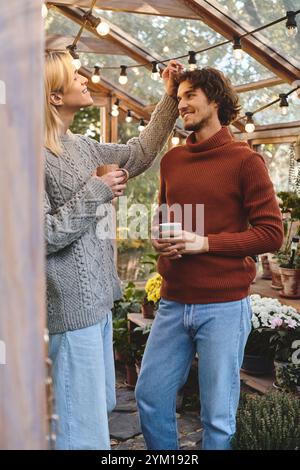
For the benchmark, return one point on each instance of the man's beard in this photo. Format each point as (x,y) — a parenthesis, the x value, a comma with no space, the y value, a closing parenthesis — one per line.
(198,126)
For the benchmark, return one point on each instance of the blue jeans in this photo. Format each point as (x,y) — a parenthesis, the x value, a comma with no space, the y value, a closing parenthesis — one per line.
(84,385)
(218,333)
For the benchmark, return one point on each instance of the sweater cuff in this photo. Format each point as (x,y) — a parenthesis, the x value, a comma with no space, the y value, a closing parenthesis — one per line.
(99,191)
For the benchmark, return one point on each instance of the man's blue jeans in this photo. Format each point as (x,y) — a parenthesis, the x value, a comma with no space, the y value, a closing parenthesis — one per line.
(218,333)
(84,385)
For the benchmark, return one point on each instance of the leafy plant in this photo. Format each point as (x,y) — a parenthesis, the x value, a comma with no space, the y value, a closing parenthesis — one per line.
(290,208)
(268,422)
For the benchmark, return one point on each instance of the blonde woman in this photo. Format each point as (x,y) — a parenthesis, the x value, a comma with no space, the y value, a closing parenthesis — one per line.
(82,283)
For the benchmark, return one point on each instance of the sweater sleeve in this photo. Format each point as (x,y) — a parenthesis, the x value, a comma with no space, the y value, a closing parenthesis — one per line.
(139,152)
(266,232)
(71,220)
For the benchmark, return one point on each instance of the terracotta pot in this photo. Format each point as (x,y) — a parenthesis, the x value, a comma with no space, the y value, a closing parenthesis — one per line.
(148,310)
(131,376)
(266,267)
(276,276)
(290,279)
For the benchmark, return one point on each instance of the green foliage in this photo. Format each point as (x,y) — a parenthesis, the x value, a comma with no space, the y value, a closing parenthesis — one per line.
(268,422)
(290,208)
(130,302)
(258,342)
(87,122)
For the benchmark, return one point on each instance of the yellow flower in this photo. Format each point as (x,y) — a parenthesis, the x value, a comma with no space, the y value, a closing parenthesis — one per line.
(152,288)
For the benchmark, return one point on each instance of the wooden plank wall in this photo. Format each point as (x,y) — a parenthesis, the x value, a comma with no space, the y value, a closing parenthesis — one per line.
(22,310)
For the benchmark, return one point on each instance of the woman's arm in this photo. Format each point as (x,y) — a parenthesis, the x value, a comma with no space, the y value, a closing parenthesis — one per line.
(139,152)
(71,220)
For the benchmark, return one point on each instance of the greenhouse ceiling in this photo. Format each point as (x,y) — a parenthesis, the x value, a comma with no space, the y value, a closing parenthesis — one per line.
(145,31)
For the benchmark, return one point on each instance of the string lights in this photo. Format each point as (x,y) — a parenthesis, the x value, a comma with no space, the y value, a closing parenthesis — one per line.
(283,104)
(142,125)
(155,75)
(129,117)
(291,24)
(115,108)
(237,48)
(123,79)
(192,61)
(96,75)
(175,139)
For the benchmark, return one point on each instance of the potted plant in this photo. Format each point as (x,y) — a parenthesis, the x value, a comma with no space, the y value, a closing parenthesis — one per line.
(289,255)
(284,341)
(152,296)
(258,356)
(268,422)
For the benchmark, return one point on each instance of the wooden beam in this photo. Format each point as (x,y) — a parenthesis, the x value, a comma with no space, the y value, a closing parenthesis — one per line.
(290,135)
(172,8)
(215,16)
(87,45)
(129,45)
(268,82)
(22,270)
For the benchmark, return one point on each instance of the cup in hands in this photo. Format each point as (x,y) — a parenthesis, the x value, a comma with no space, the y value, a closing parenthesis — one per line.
(114,177)
(170,230)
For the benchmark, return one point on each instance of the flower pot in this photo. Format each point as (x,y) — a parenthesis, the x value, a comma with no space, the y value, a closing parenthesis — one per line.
(148,310)
(290,279)
(131,376)
(257,365)
(266,267)
(276,276)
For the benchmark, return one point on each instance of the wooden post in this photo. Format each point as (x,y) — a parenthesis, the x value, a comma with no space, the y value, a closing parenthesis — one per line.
(22,299)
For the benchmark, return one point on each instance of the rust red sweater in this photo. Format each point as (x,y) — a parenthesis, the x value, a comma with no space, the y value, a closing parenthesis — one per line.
(241,217)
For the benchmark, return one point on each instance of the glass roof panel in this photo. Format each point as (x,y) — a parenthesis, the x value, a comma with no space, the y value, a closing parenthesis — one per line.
(256,13)
(252,100)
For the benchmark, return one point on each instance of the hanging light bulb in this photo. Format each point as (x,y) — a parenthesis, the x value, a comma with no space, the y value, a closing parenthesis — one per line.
(175,139)
(103,28)
(123,79)
(291,24)
(141,125)
(44,11)
(192,61)
(249,127)
(129,117)
(237,49)
(155,73)
(283,104)
(96,75)
(76,61)
(115,108)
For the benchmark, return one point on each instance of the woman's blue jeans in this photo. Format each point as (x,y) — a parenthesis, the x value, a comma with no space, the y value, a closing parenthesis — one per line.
(84,385)
(218,333)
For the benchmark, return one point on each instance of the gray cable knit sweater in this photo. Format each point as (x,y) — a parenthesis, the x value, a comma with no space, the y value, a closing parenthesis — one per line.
(82,282)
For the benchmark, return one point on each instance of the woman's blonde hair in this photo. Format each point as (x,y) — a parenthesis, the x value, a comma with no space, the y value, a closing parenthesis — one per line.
(58,77)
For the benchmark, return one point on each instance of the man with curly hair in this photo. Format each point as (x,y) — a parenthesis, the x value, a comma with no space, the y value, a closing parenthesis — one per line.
(206,272)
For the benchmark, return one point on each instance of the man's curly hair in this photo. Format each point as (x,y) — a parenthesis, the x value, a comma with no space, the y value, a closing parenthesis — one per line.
(218,88)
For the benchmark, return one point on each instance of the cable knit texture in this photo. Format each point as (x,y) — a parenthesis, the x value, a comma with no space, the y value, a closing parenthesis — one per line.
(233,184)
(81,276)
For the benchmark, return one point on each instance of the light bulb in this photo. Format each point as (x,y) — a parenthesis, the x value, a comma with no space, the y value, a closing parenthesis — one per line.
(249,127)
(238,54)
(291,31)
(166,49)
(291,24)
(175,140)
(123,79)
(284,110)
(76,63)
(44,11)
(192,67)
(129,117)
(155,73)
(115,113)
(141,125)
(96,79)
(96,75)
(103,28)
